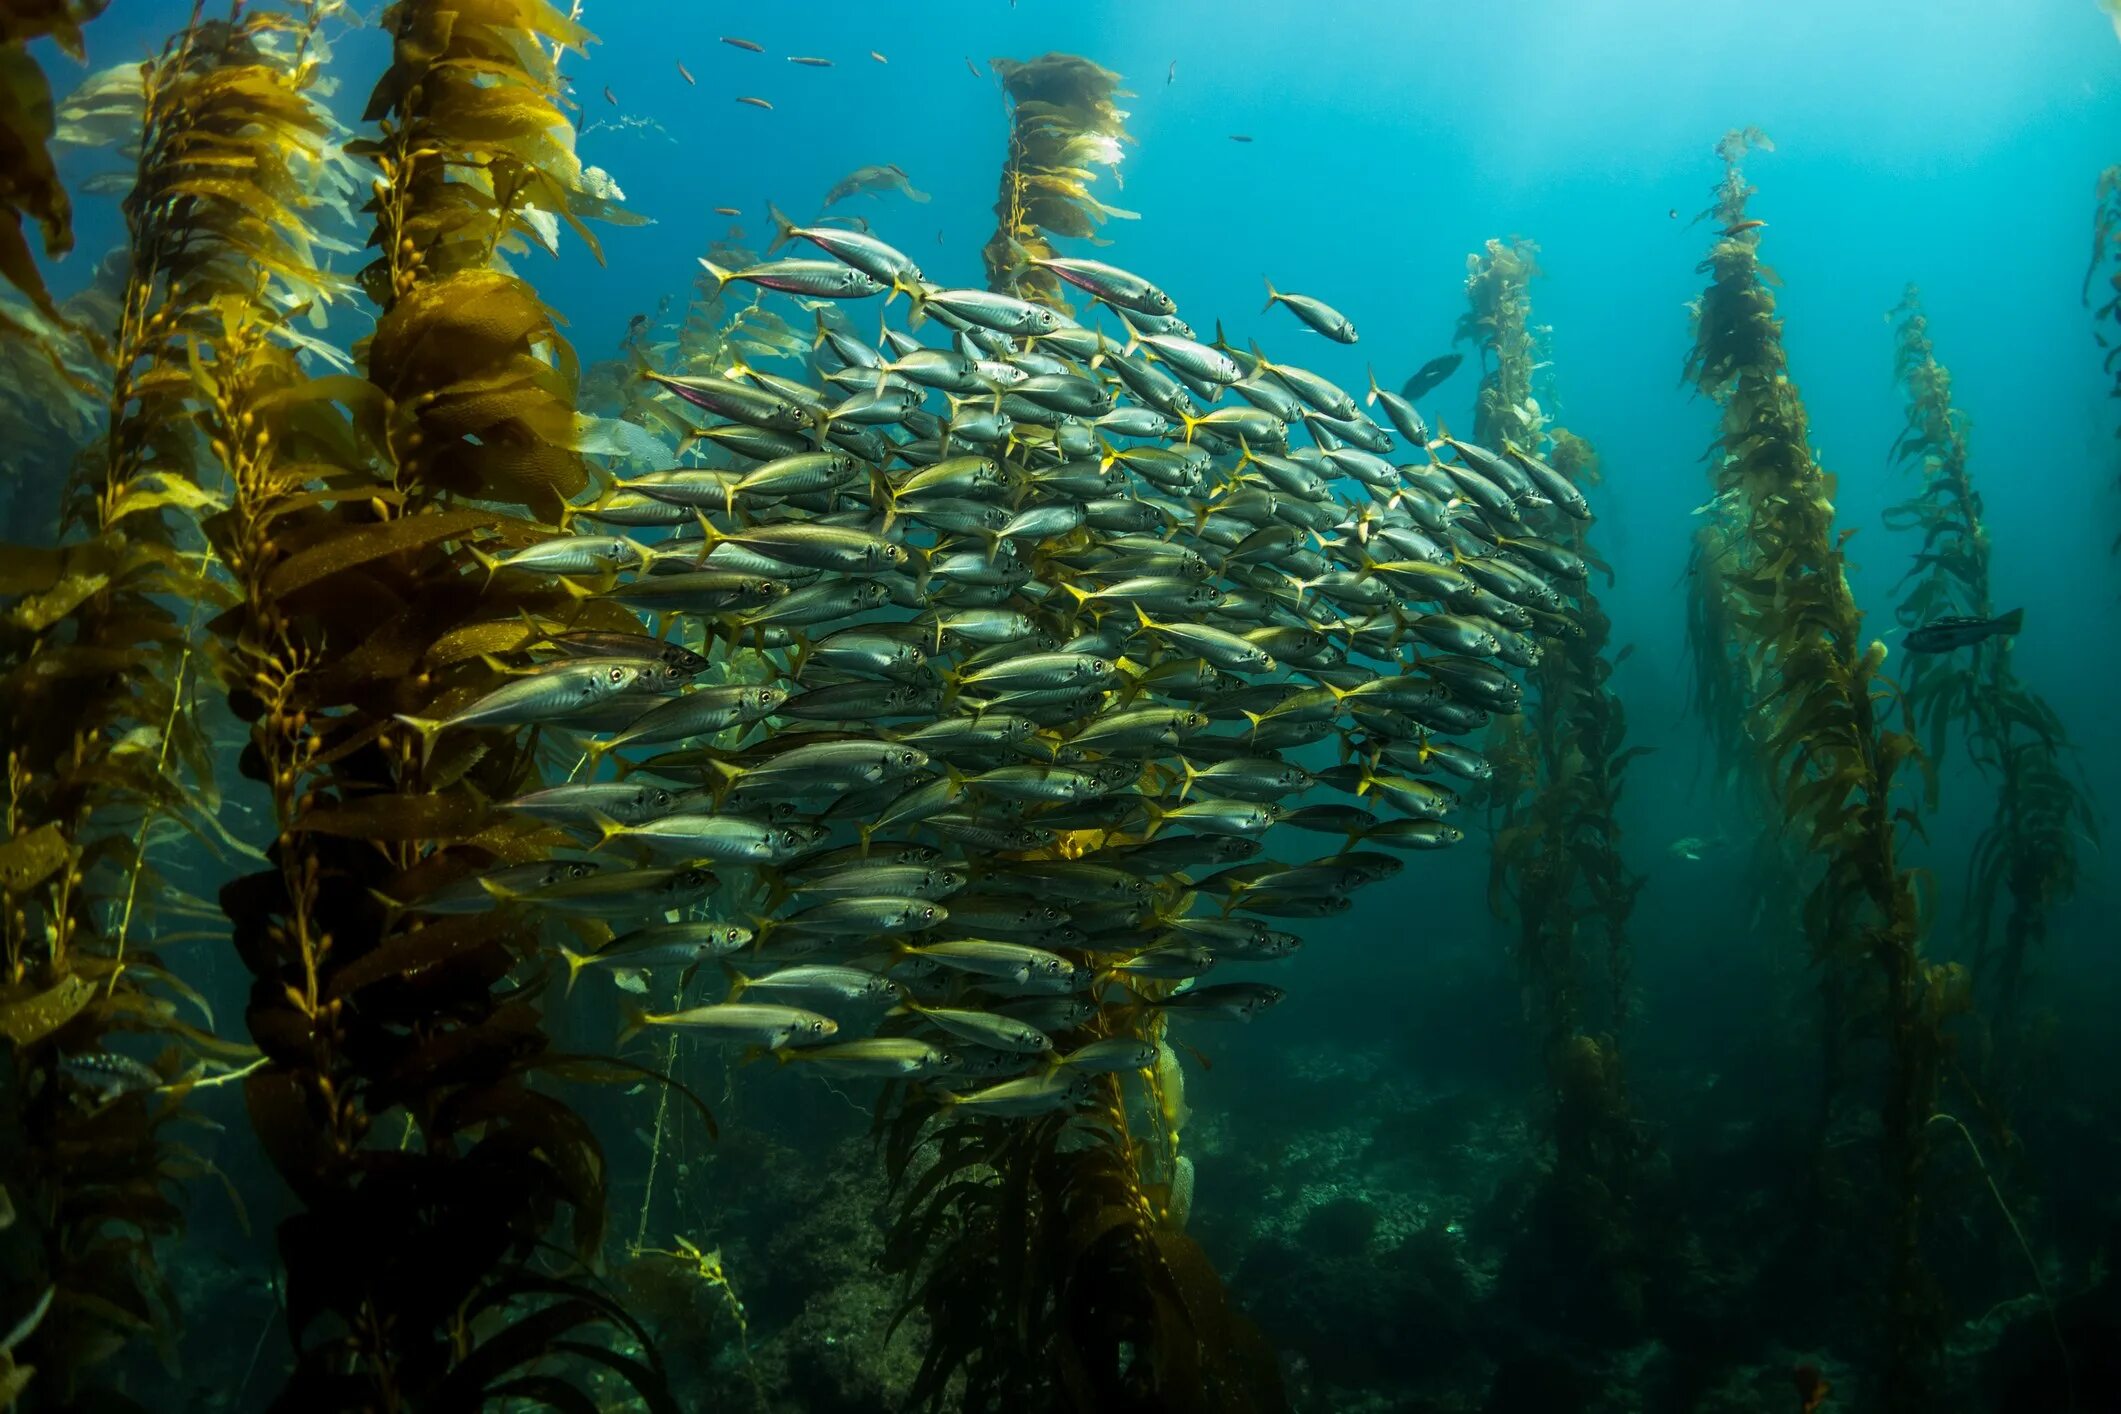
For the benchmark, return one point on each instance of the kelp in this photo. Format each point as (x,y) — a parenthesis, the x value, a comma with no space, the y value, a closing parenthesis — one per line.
(1053,1276)
(1064,123)
(401,1097)
(1556,869)
(1818,722)
(30,190)
(2029,849)
(2106,257)
(110,734)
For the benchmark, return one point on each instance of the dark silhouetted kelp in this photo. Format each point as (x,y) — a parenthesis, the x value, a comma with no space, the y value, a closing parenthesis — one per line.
(2029,851)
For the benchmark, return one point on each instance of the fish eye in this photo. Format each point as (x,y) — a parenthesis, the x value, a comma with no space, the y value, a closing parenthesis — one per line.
(617,674)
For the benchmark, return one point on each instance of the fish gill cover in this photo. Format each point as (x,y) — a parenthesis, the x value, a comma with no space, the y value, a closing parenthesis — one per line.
(438,769)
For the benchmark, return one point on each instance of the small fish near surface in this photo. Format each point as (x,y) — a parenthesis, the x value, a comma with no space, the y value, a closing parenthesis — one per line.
(1962,631)
(1431,376)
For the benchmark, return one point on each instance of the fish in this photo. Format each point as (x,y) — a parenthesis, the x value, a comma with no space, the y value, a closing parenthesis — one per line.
(610,97)
(737,1023)
(971,68)
(873,1058)
(736,43)
(824,279)
(1240,137)
(1942,635)
(810,61)
(727,211)
(1430,376)
(1316,313)
(756,103)
(885,177)
(1171,74)
(686,74)
(878,57)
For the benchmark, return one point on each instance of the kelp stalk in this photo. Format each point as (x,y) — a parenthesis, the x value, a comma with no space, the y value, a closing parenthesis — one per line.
(1818,728)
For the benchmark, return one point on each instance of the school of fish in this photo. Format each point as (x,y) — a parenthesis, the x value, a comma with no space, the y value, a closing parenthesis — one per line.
(1011,681)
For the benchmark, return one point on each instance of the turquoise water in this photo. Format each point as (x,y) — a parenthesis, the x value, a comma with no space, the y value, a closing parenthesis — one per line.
(1366,1151)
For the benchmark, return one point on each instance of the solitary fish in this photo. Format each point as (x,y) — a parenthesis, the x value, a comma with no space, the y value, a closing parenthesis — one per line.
(686,74)
(1962,631)
(1430,376)
(810,61)
(970,67)
(1240,137)
(743,44)
(878,57)
(1315,312)
(610,97)
(757,103)
(727,211)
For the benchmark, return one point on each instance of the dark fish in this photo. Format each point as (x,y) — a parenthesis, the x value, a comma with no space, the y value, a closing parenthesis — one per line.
(970,67)
(685,73)
(810,61)
(744,44)
(610,97)
(1240,137)
(1961,631)
(1173,72)
(1430,376)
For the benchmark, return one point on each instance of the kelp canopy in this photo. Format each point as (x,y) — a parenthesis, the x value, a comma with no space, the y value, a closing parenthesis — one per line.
(1064,123)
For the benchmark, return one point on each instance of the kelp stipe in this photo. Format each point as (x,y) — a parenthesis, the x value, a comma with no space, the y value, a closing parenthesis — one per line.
(398,1100)
(109,753)
(1831,759)
(2028,852)
(1556,867)
(1063,123)
(2106,252)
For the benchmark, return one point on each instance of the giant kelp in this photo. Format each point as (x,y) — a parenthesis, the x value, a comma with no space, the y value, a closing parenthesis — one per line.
(1556,868)
(2028,851)
(1064,122)
(2106,258)
(1818,723)
(110,759)
(398,1100)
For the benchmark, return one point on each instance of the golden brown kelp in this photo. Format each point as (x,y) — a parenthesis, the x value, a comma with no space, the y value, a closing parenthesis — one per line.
(1818,726)
(2029,849)
(30,189)
(1054,1277)
(1556,866)
(110,758)
(398,1099)
(1064,123)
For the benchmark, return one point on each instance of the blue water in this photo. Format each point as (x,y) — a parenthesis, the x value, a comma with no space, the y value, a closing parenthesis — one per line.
(1949,143)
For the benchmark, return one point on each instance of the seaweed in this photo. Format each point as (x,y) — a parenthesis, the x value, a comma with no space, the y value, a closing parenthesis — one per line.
(2029,849)
(1054,1277)
(401,1099)
(2106,252)
(1817,718)
(1556,867)
(1064,122)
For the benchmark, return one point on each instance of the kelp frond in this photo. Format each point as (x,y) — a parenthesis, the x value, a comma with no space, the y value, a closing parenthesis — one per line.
(2029,850)
(1065,122)
(1824,744)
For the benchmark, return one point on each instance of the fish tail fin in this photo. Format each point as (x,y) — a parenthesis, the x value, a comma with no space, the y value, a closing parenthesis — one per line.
(635,1018)
(783,231)
(1371,400)
(917,315)
(576,961)
(1142,615)
(715,272)
(709,538)
(491,564)
(1190,422)
(1082,595)
(738,981)
(608,829)
(1192,774)
(1157,816)
(1273,295)
(2011,622)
